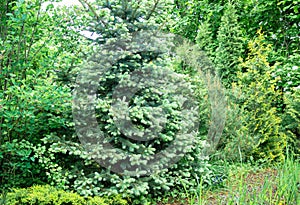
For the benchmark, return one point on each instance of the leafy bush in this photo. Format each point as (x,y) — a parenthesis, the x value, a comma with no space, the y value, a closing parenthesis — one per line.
(47,195)
(32,46)
(33,104)
(35,111)
(30,114)
(289,74)
(19,167)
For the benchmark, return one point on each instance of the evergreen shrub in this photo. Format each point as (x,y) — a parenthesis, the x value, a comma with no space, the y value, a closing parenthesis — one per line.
(47,195)
(257,97)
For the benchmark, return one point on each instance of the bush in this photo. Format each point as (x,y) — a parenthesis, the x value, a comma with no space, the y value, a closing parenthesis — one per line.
(47,195)
(18,165)
(33,111)
(30,113)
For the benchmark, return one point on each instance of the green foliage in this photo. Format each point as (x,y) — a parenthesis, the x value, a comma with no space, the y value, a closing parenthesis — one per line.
(118,22)
(222,38)
(39,56)
(18,165)
(33,104)
(280,20)
(260,119)
(33,111)
(205,22)
(186,16)
(291,120)
(29,42)
(37,109)
(47,195)
(289,75)
(223,23)
(230,46)
(205,40)
(116,18)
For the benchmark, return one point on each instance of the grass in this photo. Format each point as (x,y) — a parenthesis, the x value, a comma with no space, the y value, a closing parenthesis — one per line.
(250,185)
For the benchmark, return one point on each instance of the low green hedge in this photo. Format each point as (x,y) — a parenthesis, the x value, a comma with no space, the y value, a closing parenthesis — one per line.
(48,195)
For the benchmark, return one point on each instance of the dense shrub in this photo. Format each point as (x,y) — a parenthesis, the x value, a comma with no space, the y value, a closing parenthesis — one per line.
(47,195)
(32,113)
(258,102)
(19,167)
(118,23)
(32,104)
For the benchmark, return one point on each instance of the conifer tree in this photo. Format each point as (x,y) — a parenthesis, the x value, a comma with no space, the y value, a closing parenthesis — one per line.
(261,122)
(230,46)
(135,101)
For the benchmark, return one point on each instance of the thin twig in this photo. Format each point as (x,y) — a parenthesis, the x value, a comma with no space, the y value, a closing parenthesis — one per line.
(32,35)
(90,7)
(152,10)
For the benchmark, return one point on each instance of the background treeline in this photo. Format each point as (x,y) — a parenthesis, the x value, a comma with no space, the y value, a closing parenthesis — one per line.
(252,45)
